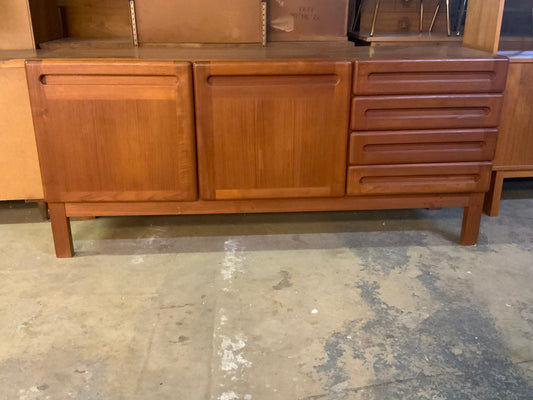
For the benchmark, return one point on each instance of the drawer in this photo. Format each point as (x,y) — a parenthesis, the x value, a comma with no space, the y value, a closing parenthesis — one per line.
(390,147)
(419,178)
(426,112)
(422,76)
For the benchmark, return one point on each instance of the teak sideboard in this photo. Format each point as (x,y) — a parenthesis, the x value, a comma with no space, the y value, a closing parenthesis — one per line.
(290,127)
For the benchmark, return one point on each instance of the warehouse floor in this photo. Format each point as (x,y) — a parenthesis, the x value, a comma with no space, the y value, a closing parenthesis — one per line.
(351,305)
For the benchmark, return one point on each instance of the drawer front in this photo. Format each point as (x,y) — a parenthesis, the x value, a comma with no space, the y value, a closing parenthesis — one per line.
(419,178)
(426,112)
(437,76)
(424,146)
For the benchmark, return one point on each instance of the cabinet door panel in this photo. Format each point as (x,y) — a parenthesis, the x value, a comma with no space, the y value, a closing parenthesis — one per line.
(114,130)
(272,129)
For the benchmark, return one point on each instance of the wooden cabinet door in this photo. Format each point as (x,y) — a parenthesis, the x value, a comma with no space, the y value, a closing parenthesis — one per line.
(114,130)
(272,129)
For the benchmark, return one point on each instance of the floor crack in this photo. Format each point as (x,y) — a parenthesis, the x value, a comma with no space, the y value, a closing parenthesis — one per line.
(380,384)
(523,362)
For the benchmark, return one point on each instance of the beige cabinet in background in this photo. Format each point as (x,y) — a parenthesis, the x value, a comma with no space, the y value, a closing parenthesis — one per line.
(20,177)
(15,28)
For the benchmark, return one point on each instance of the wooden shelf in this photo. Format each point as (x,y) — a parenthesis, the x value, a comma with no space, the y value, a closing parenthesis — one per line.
(70,43)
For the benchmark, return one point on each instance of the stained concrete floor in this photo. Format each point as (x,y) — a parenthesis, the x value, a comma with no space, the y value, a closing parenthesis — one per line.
(340,306)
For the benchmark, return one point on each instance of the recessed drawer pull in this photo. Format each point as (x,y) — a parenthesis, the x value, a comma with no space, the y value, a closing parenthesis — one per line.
(109,87)
(410,113)
(272,80)
(426,112)
(419,180)
(423,147)
(108,79)
(434,77)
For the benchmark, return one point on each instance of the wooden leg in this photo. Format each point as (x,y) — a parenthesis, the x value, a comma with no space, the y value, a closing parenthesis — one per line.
(492,199)
(472,220)
(61,230)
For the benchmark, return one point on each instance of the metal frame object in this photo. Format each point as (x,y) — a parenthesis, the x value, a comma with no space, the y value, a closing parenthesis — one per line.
(462,12)
(421,25)
(460,16)
(374,18)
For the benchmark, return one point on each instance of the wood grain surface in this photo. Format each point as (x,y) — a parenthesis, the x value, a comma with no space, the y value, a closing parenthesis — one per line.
(15,27)
(61,230)
(424,76)
(294,51)
(422,146)
(426,111)
(116,137)
(46,20)
(515,143)
(514,152)
(419,178)
(20,177)
(199,21)
(483,23)
(96,19)
(91,209)
(113,131)
(272,129)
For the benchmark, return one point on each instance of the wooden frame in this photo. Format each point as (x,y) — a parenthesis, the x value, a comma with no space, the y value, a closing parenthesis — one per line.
(60,213)
(483,24)
(493,196)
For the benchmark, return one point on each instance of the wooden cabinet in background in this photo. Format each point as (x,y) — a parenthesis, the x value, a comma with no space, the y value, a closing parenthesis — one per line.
(15,29)
(272,129)
(19,167)
(515,146)
(20,178)
(514,154)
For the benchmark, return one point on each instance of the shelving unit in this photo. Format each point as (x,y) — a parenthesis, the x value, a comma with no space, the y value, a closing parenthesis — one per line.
(378,22)
(514,152)
(64,22)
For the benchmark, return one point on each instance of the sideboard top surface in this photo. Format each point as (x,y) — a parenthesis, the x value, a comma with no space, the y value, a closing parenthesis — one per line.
(273,51)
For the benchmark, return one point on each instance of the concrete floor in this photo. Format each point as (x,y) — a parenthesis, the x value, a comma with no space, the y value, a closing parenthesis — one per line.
(340,306)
